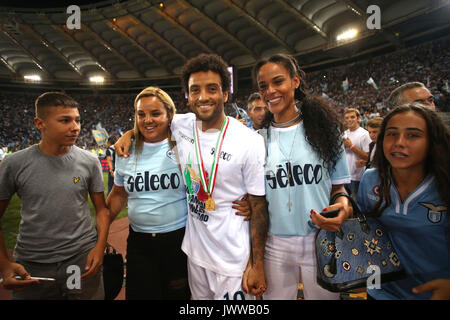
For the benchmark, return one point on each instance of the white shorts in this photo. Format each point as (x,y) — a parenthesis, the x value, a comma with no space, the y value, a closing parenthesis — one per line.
(284,260)
(209,285)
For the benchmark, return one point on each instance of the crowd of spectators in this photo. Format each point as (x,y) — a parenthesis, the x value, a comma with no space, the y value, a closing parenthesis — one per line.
(428,63)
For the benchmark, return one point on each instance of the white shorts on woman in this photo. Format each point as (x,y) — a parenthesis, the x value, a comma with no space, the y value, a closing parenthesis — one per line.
(285,260)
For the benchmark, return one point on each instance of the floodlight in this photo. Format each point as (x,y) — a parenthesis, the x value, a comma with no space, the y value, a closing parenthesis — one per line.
(32,77)
(346,35)
(97,79)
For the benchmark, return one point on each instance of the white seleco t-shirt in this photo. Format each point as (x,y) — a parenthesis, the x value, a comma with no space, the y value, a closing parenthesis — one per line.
(219,240)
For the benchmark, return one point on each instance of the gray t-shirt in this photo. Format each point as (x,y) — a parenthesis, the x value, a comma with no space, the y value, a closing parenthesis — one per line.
(56,223)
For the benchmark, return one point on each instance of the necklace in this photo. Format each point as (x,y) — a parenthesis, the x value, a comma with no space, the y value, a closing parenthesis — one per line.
(208,185)
(288,159)
(288,123)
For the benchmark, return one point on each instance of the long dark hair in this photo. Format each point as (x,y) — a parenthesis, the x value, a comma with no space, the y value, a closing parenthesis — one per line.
(437,161)
(323,129)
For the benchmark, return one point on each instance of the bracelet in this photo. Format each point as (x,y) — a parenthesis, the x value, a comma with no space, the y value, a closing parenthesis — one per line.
(337,195)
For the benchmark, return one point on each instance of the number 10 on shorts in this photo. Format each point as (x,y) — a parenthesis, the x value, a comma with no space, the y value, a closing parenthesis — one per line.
(238,295)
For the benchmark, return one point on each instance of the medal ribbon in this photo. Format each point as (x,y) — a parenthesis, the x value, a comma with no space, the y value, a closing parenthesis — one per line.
(198,152)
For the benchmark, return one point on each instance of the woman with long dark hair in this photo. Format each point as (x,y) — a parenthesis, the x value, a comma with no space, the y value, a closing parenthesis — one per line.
(306,166)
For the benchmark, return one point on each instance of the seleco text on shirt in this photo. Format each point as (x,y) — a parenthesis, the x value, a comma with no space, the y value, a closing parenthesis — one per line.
(152,182)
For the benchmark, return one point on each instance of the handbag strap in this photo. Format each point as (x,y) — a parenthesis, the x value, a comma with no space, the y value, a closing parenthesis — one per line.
(356,211)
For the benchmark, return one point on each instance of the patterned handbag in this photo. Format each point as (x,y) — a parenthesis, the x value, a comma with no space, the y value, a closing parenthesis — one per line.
(348,257)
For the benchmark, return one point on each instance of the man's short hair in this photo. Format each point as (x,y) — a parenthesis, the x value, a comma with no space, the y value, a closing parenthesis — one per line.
(254,96)
(375,122)
(206,62)
(52,99)
(396,97)
(356,111)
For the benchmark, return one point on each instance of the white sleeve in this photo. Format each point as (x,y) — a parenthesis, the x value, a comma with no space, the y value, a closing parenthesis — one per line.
(253,168)
(365,141)
(340,174)
(179,119)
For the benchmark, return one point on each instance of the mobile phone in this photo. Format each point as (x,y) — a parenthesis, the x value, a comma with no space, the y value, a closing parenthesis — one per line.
(330,213)
(35,278)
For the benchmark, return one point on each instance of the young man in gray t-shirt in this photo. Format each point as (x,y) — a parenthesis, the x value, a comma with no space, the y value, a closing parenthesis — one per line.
(57,235)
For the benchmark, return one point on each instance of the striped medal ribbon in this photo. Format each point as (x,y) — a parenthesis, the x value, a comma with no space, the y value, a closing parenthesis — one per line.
(208,186)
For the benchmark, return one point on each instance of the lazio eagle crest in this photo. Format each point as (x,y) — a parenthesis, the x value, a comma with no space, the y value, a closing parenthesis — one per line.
(434,212)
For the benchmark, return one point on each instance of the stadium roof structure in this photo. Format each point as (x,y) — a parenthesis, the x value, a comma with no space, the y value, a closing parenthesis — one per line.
(136,42)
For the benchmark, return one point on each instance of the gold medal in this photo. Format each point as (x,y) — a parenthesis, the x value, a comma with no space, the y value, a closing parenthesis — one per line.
(208,184)
(209,204)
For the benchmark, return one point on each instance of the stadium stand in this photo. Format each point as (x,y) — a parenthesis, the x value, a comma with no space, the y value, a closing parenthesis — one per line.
(137,43)
(428,63)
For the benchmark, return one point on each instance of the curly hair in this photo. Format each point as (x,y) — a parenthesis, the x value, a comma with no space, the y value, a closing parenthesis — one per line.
(437,162)
(206,62)
(323,129)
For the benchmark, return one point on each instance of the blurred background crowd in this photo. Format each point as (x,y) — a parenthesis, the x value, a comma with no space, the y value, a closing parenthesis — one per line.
(344,86)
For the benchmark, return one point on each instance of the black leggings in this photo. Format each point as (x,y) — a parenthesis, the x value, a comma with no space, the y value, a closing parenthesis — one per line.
(156,266)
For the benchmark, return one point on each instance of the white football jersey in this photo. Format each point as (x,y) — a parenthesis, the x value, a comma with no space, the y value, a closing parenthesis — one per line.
(219,240)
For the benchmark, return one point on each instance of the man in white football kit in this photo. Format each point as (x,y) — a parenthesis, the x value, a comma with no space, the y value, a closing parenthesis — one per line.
(221,162)
(217,241)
